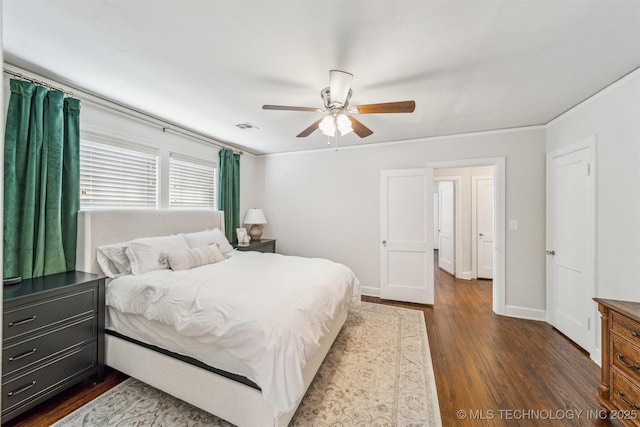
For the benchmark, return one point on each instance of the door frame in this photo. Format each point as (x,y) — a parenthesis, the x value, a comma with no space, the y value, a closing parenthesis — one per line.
(588,143)
(499,221)
(474,220)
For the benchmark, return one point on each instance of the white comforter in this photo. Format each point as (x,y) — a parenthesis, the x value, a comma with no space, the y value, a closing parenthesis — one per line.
(268,310)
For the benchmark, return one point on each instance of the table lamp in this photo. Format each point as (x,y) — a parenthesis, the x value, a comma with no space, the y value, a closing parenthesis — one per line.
(256,218)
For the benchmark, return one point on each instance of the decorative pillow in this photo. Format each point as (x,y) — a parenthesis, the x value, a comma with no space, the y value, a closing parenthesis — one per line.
(113,259)
(209,237)
(146,254)
(187,259)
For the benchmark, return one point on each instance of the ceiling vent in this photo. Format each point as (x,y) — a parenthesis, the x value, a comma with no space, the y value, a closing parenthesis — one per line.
(246,125)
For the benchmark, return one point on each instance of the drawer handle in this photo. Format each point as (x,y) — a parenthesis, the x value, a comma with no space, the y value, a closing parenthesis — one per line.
(22,356)
(628,365)
(635,334)
(23,321)
(21,389)
(626,402)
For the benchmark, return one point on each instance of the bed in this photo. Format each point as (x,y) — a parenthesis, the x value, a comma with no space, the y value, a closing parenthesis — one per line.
(226,385)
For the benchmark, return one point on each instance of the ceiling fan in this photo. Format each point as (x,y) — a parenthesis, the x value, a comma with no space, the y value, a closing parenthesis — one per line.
(336,105)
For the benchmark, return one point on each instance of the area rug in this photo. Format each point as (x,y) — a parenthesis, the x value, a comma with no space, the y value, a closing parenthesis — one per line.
(378,373)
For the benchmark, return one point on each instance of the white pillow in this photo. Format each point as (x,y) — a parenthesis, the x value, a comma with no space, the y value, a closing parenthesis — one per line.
(209,237)
(113,259)
(146,254)
(187,259)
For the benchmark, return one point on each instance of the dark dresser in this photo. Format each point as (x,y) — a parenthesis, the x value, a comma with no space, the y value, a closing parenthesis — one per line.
(619,390)
(263,245)
(52,337)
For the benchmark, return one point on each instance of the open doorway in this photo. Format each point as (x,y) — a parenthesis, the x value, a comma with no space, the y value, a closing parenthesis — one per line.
(464,221)
(478,250)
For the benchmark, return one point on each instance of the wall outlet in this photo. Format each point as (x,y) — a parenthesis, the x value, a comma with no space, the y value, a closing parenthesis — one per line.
(513,224)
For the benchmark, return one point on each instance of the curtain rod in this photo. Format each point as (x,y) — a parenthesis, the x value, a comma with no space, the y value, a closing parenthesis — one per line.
(36,81)
(165,125)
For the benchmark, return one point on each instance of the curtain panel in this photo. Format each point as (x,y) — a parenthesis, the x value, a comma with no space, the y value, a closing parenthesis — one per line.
(41,181)
(229,191)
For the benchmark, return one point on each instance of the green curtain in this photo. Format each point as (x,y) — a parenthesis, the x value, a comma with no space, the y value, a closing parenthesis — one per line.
(229,194)
(41,170)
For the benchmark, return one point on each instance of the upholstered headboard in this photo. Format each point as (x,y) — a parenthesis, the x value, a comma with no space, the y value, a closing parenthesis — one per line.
(101,227)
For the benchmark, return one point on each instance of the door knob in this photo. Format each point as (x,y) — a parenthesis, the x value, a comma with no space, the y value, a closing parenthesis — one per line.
(384,243)
(551,252)
(480,234)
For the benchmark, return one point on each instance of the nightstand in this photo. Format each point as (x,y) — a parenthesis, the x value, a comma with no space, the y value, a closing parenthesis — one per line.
(52,337)
(263,245)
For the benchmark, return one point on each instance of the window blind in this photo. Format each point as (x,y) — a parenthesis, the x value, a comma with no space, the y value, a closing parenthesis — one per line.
(192,183)
(116,177)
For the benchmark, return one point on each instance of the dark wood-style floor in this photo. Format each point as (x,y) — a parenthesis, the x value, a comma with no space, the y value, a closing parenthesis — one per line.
(490,370)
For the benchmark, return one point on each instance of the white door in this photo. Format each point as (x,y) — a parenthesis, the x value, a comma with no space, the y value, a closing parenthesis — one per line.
(484,227)
(436,222)
(570,244)
(406,235)
(446,245)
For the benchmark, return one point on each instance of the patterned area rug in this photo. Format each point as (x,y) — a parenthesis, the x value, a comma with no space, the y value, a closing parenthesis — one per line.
(378,373)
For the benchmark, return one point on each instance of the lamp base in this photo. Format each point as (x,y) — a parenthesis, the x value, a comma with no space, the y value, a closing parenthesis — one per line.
(255,232)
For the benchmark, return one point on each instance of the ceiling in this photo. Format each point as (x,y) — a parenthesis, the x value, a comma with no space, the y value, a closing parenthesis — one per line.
(211,64)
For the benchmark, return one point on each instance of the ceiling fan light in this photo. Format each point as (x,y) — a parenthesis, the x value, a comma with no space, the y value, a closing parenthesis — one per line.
(339,86)
(344,124)
(328,126)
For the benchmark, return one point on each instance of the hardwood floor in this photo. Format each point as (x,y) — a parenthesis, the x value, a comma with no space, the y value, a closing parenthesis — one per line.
(495,370)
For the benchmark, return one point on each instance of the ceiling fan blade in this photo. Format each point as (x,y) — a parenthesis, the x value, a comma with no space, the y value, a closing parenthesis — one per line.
(339,86)
(359,129)
(387,107)
(284,107)
(308,131)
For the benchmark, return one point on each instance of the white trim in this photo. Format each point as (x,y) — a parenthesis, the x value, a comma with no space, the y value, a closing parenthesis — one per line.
(588,143)
(526,313)
(410,141)
(465,275)
(499,203)
(370,291)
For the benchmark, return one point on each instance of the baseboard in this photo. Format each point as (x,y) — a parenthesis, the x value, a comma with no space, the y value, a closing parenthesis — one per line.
(465,275)
(369,291)
(596,356)
(525,313)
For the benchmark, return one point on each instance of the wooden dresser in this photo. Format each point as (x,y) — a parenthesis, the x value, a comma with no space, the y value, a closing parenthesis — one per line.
(619,390)
(52,337)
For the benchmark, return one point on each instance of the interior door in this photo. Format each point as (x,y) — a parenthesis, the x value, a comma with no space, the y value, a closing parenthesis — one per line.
(446,252)
(484,227)
(406,235)
(570,245)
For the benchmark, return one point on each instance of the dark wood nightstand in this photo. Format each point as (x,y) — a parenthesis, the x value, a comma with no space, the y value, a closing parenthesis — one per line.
(263,245)
(52,337)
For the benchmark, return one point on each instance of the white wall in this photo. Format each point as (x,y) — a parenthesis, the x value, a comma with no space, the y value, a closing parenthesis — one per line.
(613,116)
(326,203)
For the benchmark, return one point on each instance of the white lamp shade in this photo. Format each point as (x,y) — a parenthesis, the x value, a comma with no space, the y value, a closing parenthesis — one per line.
(255,216)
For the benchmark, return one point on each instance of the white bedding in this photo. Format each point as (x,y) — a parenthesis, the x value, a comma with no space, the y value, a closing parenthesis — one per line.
(267,310)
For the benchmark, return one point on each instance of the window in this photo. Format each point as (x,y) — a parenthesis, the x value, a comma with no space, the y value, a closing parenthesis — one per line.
(192,183)
(116,177)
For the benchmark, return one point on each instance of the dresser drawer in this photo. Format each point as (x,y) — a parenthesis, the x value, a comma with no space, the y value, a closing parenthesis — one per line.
(625,357)
(39,382)
(625,327)
(47,313)
(625,395)
(39,347)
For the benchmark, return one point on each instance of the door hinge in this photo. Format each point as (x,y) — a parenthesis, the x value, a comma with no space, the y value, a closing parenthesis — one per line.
(588,169)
